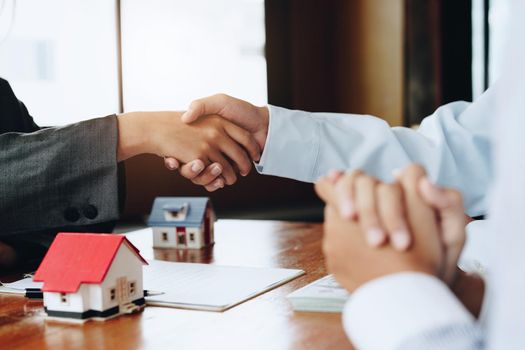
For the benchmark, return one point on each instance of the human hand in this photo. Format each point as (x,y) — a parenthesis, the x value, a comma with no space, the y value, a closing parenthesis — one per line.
(394,231)
(249,117)
(210,139)
(253,119)
(352,260)
(209,177)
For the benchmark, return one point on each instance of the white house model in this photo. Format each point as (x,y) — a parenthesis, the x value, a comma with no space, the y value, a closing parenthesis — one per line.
(91,276)
(182,222)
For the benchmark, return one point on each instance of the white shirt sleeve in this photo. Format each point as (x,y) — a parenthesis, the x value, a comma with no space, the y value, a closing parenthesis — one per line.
(453,145)
(388,312)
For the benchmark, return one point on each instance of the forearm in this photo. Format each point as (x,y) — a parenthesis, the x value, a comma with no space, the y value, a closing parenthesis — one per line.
(450,145)
(401,308)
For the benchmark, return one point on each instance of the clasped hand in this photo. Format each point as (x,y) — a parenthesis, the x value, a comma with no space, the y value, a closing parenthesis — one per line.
(373,229)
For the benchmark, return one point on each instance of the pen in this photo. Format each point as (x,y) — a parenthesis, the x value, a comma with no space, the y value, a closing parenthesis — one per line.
(30,293)
(36,293)
(150,293)
(33,293)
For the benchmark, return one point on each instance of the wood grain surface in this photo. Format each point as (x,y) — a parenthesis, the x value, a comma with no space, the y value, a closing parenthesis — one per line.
(264,322)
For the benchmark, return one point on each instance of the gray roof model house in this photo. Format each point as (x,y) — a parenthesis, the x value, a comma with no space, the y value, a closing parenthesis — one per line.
(182,222)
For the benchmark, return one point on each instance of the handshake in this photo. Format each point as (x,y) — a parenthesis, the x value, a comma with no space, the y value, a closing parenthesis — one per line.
(217,138)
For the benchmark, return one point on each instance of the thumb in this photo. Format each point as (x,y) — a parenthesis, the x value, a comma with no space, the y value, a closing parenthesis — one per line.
(204,106)
(449,206)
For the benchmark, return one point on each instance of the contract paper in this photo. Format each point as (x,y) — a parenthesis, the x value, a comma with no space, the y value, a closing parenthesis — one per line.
(209,287)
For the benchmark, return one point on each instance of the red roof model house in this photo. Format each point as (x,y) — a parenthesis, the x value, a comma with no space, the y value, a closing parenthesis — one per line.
(91,276)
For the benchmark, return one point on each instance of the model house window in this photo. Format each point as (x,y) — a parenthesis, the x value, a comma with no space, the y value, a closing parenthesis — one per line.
(131,288)
(164,236)
(176,212)
(112,294)
(192,237)
(63,298)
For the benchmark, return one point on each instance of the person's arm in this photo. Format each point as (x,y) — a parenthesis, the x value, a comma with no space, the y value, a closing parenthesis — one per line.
(409,311)
(59,177)
(453,143)
(67,176)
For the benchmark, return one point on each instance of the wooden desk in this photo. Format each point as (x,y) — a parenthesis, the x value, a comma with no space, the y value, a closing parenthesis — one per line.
(265,322)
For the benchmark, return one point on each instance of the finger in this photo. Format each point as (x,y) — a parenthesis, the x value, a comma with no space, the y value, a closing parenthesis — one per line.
(449,205)
(204,106)
(421,217)
(334,176)
(237,154)
(325,189)
(227,170)
(171,163)
(245,139)
(344,194)
(209,175)
(192,169)
(366,207)
(391,208)
(215,185)
(324,186)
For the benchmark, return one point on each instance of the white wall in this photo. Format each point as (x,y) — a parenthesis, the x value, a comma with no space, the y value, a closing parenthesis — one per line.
(61,55)
(177,50)
(157,237)
(77,302)
(60,58)
(125,264)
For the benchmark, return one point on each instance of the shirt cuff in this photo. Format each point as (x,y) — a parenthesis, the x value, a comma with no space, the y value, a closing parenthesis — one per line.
(386,312)
(292,145)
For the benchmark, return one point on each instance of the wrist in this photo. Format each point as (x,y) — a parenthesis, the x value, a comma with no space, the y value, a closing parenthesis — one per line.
(132,135)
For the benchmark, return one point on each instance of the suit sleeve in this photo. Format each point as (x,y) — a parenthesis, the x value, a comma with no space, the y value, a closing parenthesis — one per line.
(453,144)
(59,177)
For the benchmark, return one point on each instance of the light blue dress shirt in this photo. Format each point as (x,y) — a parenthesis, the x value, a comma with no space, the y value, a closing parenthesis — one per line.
(453,144)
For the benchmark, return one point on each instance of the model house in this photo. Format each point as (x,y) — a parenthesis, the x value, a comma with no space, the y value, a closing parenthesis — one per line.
(91,276)
(182,222)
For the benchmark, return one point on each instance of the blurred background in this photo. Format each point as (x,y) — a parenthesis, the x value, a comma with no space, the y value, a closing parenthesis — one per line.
(71,60)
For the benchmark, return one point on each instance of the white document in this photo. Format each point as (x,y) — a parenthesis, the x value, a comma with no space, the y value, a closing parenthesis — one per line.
(323,295)
(22,284)
(209,287)
(197,286)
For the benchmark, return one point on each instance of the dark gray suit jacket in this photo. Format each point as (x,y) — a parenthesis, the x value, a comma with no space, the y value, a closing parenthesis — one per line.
(55,179)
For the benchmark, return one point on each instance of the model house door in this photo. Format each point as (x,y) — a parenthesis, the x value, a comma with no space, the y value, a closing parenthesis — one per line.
(122,291)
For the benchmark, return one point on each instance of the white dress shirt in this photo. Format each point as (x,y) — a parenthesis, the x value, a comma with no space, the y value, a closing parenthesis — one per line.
(453,144)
